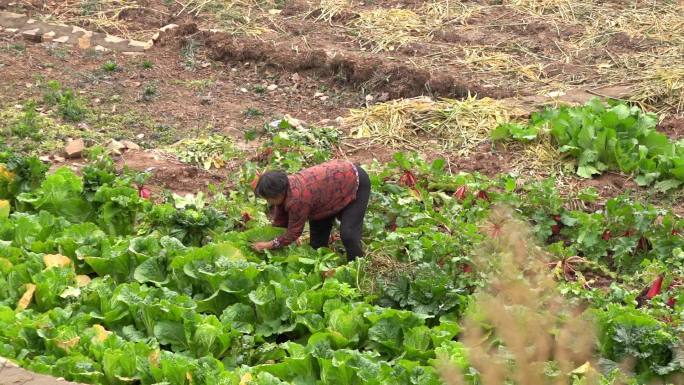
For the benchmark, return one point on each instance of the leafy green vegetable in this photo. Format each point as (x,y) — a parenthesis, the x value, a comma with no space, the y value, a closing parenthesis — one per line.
(612,136)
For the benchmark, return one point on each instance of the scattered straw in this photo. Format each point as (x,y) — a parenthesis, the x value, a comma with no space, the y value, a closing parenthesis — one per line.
(661,88)
(636,43)
(459,125)
(487,59)
(329,9)
(563,8)
(389,29)
(439,13)
(236,17)
(541,158)
(382,267)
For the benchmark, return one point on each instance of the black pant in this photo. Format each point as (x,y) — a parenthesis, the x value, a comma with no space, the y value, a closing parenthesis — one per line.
(351,221)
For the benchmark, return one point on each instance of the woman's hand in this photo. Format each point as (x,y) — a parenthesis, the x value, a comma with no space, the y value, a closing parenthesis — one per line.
(261,246)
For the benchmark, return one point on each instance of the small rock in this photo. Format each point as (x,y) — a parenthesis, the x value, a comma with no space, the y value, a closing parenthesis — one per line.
(243,90)
(33,35)
(116,147)
(205,65)
(206,100)
(369,98)
(295,77)
(130,145)
(140,136)
(318,94)
(74,149)
(168,27)
(324,98)
(44,158)
(59,159)
(272,87)
(84,41)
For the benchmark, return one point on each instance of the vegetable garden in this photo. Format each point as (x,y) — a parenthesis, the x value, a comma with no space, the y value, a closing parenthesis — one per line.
(525,223)
(101,284)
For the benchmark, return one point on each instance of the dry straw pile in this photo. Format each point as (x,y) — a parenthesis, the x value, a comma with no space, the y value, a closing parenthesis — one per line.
(447,124)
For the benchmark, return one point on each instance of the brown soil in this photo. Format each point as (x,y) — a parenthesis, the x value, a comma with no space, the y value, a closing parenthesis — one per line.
(168,173)
(672,126)
(361,71)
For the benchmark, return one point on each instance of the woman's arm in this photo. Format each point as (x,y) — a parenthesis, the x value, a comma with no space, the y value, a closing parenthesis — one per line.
(297,214)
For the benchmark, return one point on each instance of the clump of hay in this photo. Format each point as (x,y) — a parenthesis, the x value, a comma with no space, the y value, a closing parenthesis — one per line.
(458,125)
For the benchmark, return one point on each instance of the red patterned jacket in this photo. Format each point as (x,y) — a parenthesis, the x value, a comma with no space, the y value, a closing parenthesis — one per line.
(315,193)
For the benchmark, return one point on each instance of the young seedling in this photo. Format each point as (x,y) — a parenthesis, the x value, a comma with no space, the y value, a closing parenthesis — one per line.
(252,112)
(147,64)
(110,66)
(259,89)
(149,92)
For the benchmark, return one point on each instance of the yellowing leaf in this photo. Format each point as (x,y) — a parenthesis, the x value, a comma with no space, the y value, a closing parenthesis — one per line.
(584,369)
(154,358)
(188,376)
(5,264)
(416,194)
(25,299)
(68,344)
(82,280)
(6,174)
(4,209)
(101,333)
(55,260)
(246,378)
(71,292)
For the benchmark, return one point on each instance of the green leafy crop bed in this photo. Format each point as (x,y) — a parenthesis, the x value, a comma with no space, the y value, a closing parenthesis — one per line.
(100,285)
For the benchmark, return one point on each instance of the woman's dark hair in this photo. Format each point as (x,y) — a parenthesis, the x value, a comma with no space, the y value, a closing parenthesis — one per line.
(272,184)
